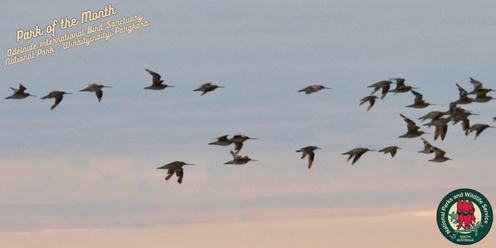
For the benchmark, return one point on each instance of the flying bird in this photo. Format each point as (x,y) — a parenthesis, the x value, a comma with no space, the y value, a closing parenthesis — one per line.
(19,93)
(356,154)
(207,87)
(313,88)
(238,140)
(441,127)
(400,86)
(478,87)
(412,129)
(439,155)
(390,149)
(308,151)
(478,128)
(222,141)
(237,159)
(385,85)
(419,101)
(157,82)
(433,115)
(370,99)
(463,97)
(175,167)
(428,148)
(97,88)
(58,95)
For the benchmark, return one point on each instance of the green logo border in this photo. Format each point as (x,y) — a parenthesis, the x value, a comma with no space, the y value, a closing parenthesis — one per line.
(477,231)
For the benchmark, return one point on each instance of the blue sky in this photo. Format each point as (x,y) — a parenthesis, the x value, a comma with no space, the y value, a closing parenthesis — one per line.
(91,165)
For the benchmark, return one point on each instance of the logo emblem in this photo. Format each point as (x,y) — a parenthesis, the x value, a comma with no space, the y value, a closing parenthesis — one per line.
(464,216)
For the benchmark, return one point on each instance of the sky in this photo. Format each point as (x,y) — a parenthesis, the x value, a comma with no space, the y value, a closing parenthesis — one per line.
(88,168)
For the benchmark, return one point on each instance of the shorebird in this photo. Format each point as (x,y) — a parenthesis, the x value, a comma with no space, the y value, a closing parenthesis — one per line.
(478,128)
(313,88)
(222,141)
(19,93)
(207,87)
(478,87)
(458,113)
(97,88)
(481,96)
(412,129)
(441,127)
(175,167)
(157,83)
(385,85)
(370,99)
(400,86)
(462,96)
(355,154)
(418,102)
(433,115)
(390,149)
(238,140)
(439,155)
(308,151)
(494,118)
(237,159)
(58,95)
(427,147)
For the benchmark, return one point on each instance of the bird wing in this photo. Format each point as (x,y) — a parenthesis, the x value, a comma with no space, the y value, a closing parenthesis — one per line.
(58,99)
(311,156)
(357,156)
(99,94)
(477,84)
(155,76)
(237,146)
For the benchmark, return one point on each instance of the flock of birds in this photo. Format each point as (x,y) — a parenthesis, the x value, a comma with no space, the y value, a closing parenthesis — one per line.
(438,119)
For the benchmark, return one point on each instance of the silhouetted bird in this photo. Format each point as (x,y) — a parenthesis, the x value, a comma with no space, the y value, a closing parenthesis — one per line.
(157,83)
(462,96)
(97,88)
(175,167)
(370,99)
(355,154)
(308,151)
(313,88)
(400,86)
(428,148)
(478,128)
(238,140)
(391,150)
(439,155)
(412,129)
(58,95)
(222,141)
(19,93)
(207,87)
(237,159)
(385,85)
(418,101)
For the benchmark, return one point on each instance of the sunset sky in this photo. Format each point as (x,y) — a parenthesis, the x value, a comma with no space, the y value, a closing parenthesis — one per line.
(84,174)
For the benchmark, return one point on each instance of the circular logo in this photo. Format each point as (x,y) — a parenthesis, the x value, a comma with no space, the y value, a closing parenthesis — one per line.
(464,216)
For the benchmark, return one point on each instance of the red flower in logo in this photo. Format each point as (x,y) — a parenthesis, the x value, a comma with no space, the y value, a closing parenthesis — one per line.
(465,210)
